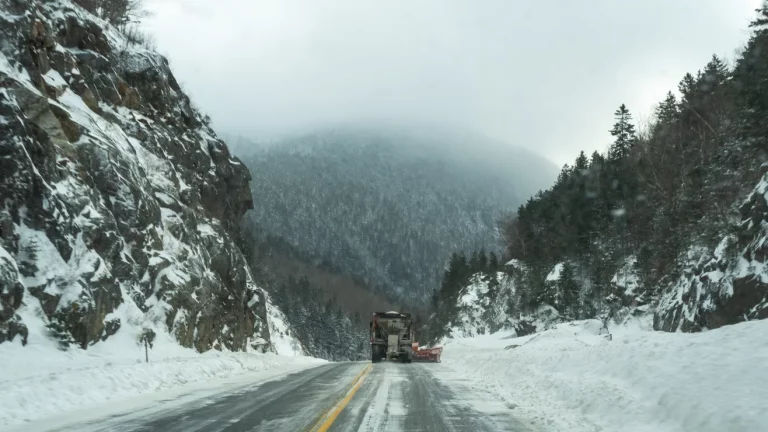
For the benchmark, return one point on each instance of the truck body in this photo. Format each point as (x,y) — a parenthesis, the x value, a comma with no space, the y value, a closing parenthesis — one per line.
(391,337)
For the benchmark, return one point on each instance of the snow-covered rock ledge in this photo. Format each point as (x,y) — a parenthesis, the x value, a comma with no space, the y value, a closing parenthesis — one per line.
(40,381)
(573,378)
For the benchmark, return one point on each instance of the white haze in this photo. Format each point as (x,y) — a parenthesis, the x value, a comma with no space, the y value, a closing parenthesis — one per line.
(543,75)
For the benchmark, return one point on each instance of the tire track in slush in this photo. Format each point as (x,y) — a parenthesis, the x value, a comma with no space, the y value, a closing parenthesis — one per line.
(379,406)
(376,417)
(423,398)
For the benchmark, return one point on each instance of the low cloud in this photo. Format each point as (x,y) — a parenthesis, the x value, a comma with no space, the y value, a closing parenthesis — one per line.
(546,76)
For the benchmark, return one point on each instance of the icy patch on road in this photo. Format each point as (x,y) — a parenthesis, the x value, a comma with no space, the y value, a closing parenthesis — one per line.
(572,378)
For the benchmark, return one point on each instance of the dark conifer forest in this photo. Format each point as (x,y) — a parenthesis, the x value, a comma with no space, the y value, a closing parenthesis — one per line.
(662,192)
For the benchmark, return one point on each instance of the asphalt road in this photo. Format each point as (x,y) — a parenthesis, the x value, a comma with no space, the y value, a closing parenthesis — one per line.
(334,397)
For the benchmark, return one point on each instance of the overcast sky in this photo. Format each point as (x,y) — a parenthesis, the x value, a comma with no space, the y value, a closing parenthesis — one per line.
(545,75)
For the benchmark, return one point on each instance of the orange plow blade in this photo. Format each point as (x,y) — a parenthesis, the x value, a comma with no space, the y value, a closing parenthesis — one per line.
(428,355)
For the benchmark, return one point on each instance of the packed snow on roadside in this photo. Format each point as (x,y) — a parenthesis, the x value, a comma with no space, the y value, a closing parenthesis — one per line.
(39,380)
(575,378)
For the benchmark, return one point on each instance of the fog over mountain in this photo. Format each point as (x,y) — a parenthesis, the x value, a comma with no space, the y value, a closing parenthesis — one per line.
(389,205)
(545,76)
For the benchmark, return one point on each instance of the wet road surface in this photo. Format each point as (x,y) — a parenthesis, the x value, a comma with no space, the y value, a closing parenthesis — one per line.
(353,396)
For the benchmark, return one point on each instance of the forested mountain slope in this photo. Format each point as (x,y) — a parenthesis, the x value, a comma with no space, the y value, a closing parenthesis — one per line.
(388,206)
(326,311)
(671,221)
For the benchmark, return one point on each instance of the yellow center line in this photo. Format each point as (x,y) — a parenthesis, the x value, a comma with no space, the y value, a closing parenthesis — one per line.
(326,421)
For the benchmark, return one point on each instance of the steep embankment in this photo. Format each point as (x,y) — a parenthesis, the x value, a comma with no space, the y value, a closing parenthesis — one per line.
(118,204)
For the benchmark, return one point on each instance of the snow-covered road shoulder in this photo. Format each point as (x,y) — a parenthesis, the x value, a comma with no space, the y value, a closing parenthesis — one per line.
(573,378)
(39,382)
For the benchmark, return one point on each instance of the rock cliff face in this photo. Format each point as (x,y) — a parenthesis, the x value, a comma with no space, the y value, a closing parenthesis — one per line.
(118,203)
(729,284)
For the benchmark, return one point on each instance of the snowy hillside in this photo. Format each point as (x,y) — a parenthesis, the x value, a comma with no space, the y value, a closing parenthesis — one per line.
(726,284)
(389,206)
(576,378)
(118,213)
(485,304)
(281,337)
(611,373)
(39,380)
(119,204)
(480,309)
(671,219)
(715,287)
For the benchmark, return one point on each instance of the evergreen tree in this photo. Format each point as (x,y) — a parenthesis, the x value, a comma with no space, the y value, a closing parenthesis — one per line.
(668,110)
(493,262)
(687,89)
(482,261)
(750,73)
(474,261)
(677,185)
(624,133)
(565,172)
(715,73)
(435,298)
(582,163)
(570,291)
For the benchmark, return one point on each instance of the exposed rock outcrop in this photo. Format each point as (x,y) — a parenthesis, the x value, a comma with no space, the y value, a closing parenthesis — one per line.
(114,192)
(727,285)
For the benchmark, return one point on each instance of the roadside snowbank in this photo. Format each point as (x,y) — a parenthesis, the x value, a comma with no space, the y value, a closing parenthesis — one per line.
(572,378)
(39,381)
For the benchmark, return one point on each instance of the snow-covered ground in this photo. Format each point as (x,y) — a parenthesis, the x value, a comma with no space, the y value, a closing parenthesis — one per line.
(39,381)
(573,378)
(279,333)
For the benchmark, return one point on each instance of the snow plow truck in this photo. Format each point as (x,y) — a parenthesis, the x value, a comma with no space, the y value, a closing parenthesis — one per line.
(391,337)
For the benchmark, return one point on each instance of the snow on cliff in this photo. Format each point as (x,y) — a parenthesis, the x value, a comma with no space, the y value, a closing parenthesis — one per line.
(119,205)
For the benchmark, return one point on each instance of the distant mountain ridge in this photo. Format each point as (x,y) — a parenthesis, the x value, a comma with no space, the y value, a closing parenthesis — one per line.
(389,206)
